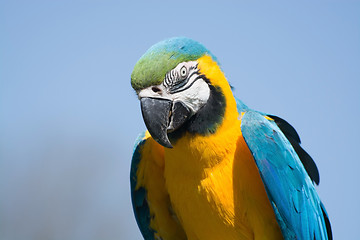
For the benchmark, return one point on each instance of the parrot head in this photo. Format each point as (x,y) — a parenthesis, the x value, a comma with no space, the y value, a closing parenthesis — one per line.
(181,89)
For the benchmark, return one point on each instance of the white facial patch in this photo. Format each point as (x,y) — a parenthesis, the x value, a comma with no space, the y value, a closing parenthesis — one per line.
(184,83)
(195,96)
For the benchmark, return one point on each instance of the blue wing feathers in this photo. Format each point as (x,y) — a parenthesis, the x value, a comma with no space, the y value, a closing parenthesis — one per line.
(286,128)
(291,191)
(327,222)
(291,134)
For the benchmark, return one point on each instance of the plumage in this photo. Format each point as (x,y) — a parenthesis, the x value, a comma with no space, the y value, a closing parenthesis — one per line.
(294,139)
(287,184)
(214,168)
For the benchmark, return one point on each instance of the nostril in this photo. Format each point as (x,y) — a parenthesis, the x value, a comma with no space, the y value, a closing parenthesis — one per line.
(156,89)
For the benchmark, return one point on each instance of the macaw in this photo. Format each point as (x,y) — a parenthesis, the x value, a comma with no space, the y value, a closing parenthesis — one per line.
(209,167)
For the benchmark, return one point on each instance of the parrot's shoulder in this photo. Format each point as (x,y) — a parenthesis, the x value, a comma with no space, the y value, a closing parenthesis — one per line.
(292,137)
(255,117)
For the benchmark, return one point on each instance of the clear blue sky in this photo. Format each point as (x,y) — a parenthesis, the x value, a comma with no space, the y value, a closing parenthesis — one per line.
(69,116)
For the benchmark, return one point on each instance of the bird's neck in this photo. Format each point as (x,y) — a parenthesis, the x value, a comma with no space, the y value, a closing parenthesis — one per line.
(211,136)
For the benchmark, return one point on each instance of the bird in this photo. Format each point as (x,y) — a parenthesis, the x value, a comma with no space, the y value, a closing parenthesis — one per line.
(208,167)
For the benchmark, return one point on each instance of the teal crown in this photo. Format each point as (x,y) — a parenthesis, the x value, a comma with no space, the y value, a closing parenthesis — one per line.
(163,57)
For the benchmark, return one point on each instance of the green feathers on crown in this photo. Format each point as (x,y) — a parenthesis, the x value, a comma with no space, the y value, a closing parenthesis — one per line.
(162,57)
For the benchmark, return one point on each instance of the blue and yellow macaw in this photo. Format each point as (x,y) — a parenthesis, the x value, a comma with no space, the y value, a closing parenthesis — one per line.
(209,167)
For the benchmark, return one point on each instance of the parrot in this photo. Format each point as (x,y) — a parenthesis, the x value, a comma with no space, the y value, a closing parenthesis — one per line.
(208,167)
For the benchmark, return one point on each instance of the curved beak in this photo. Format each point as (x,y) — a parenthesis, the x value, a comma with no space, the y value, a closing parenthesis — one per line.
(162,116)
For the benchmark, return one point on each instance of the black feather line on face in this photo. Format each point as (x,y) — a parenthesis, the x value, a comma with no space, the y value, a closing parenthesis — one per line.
(174,82)
(175,88)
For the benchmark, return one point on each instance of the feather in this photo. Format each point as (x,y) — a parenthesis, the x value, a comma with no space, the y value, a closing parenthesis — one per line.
(290,190)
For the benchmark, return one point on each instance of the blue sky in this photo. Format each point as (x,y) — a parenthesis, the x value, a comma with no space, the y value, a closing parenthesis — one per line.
(69,116)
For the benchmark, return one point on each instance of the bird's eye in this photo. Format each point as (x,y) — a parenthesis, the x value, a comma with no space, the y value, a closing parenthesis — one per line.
(183,72)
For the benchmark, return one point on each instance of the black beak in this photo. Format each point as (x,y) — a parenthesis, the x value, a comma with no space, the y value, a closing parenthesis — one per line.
(162,116)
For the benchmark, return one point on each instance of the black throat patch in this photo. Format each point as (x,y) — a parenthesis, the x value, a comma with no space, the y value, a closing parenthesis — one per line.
(207,119)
